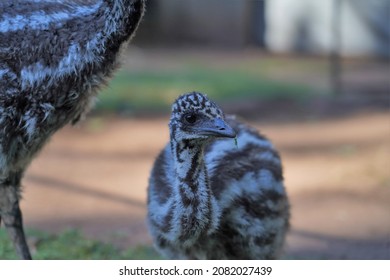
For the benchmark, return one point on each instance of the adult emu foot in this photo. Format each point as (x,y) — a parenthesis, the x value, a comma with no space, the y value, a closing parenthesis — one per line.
(11,215)
(14,225)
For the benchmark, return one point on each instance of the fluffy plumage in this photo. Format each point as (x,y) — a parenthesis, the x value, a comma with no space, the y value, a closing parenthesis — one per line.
(54,56)
(211,199)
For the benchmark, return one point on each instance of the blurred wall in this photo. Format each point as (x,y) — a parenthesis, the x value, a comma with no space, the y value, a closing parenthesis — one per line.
(308,26)
(280,25)
(227,23)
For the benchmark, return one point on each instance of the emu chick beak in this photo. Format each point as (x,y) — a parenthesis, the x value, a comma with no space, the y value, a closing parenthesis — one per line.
(217,127)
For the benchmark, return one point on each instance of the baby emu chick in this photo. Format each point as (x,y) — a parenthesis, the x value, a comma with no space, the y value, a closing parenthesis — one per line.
(211,199)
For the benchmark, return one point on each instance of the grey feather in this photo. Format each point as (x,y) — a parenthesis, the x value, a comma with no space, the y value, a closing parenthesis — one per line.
(208,198)
(54,57)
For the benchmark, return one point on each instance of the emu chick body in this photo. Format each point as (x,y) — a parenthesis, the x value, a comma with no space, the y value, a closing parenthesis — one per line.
(211,199)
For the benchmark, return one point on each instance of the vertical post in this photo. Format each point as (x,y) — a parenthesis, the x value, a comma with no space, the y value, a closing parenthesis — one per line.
(258,23)
(335,59)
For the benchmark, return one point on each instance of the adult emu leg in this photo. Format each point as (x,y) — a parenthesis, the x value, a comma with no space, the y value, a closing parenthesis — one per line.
(11,215)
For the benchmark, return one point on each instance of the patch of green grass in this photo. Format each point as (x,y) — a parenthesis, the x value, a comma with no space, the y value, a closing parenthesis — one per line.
(6,249)
(72,245)
(155,91)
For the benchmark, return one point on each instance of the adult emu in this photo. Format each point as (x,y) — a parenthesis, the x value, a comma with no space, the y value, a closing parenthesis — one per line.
(54,56)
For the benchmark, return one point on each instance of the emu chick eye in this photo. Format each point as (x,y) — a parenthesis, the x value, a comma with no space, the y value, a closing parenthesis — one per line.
(190,118)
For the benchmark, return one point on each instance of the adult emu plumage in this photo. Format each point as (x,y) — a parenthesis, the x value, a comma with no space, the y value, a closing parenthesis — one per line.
(54,56)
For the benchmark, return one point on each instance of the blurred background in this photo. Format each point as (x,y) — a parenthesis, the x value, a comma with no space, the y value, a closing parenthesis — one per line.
(314,76)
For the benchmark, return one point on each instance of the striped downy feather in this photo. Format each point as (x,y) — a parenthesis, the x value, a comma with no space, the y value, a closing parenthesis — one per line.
(54,56)
(209,198)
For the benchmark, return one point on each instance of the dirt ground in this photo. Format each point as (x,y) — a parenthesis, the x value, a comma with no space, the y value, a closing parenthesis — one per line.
(94,178)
